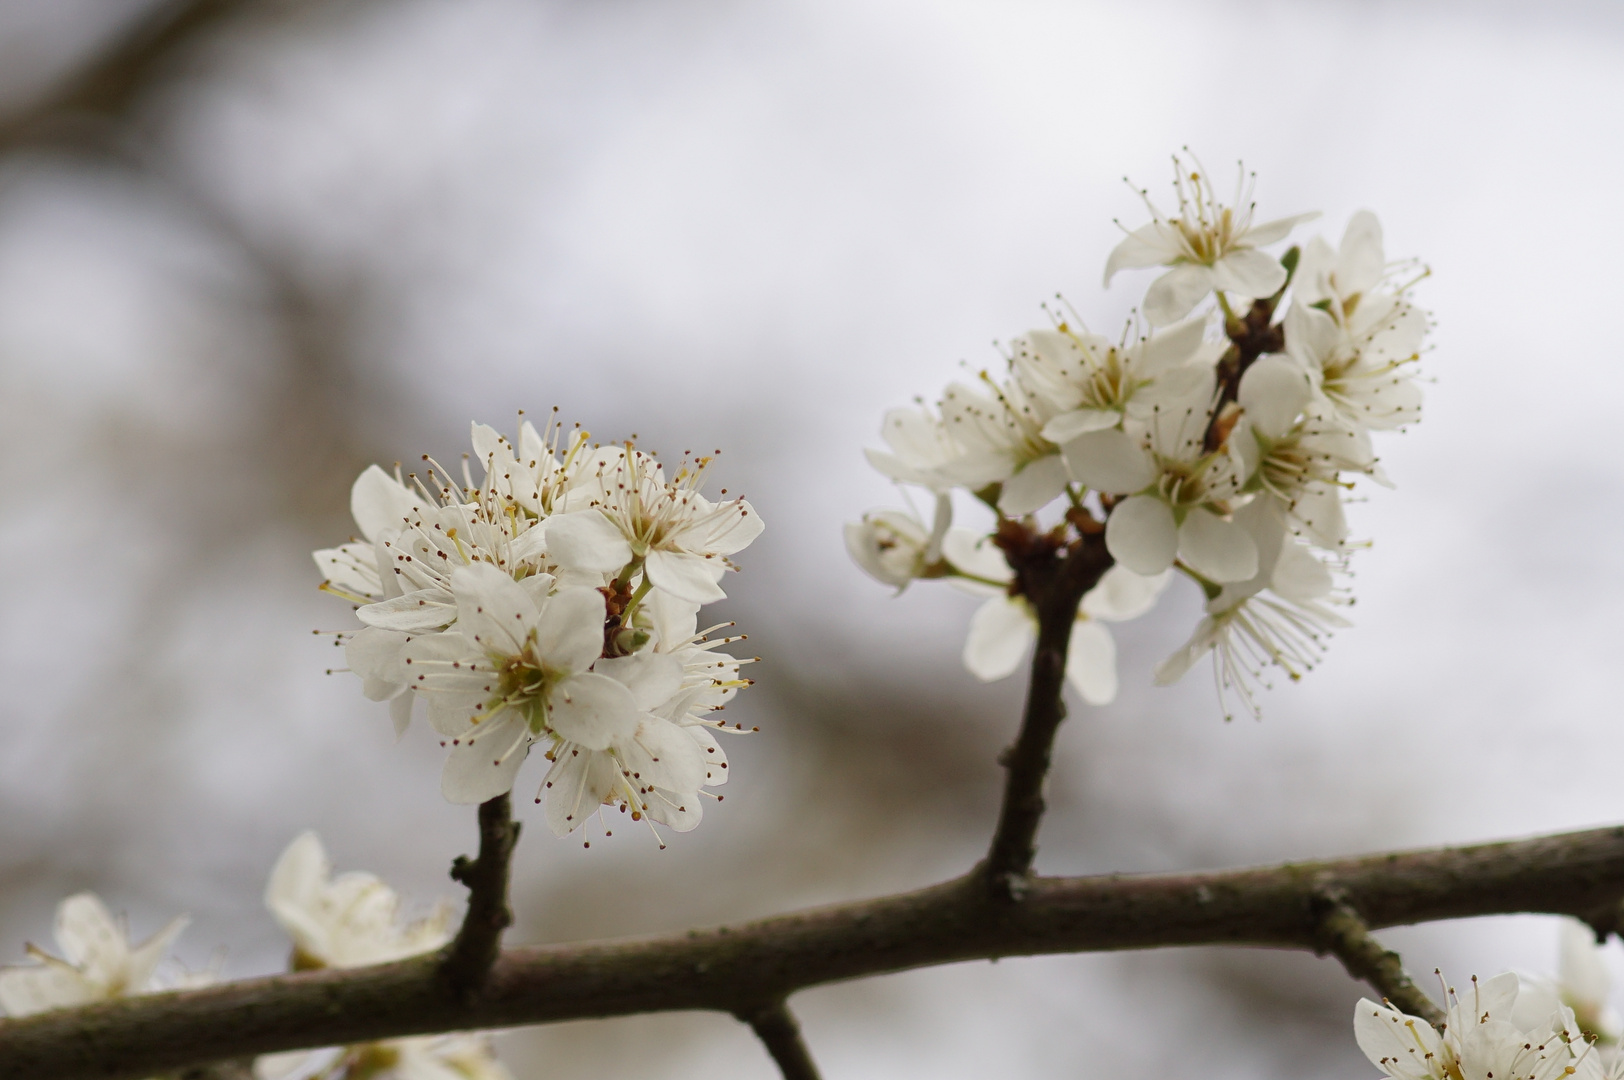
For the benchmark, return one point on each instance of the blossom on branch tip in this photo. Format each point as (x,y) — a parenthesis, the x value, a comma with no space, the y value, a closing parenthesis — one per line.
(98,962)
(1208,245)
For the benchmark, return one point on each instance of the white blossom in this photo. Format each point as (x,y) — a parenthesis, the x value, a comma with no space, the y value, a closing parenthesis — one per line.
(1582,984)
(894,547)
(622,509)
(98,961)
(1208,246)
(346,921)
(1479,1040)
(353,920)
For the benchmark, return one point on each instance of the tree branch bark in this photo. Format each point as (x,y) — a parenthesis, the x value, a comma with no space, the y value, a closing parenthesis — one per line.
(734,968)
(468,959)
(1054,584)
(775,1026)
(1347,937)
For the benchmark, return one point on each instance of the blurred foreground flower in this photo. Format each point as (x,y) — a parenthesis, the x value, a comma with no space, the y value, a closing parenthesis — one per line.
(98,962)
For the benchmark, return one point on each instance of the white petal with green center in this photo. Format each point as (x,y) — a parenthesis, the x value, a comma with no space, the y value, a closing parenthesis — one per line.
(1141,534)
(593,710)
(1000,632)
(1216,549)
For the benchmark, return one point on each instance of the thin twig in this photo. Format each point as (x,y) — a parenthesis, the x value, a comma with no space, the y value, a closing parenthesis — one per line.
(469,958)
(731,969)
(1345,935)
(1054,582)
(775,1026)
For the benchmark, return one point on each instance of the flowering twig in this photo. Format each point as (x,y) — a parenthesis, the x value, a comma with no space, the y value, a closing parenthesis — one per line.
(775,1026)
(1345,935)
(1054,578)
(730,969)
(469,957)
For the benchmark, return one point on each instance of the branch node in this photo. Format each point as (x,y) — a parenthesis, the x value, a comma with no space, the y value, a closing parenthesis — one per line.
(775,1026)
(468,959)
(1342,932)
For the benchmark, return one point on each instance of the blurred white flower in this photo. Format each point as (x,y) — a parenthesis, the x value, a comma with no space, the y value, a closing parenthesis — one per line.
(1208,245)
(347,921)
(894,547)
(1479,1040)
(98,962)
(1582,984)
(351,921)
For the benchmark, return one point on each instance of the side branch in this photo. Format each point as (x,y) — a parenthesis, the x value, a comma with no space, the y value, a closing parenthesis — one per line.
(469,957)
(1347,937)
(733,969)
(1054,582)
(775,1026)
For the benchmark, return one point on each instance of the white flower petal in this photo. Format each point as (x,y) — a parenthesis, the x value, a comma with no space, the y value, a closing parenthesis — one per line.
(661,754)
(974,553)
(1000,632)
(569,629)
(1039,483)
(1167,349)
(687,577)
(587,540)
(1399,1045)
(90,938)
(1274,392)
(1145,246)
(653,678)
(1216,549)
(492,610)
(480,770)
(1091,662)
(1141,535)
(1266,233)
(1067,426)
(1171,296)
(1121,594)
(593,710)
(1111,461)
(378,657)
(143,960)
(380,504)
(1300,577)
(577,784)
(1361,261)
(424,609)
(1249,272)
(51,984)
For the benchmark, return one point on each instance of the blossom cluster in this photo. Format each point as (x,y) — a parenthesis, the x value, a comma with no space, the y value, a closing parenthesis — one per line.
(553,602)
(1217,438)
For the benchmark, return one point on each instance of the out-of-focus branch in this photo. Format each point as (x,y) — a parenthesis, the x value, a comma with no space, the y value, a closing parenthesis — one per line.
(775,1026)
(1054,581)
(469,957)
(1346,936)
(114,77)
(733,969)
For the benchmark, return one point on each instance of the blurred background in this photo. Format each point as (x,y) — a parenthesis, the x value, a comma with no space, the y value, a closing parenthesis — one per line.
(247,248)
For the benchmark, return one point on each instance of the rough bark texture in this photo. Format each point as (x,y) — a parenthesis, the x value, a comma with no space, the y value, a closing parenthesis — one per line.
(1346,936)
(734,968)
(468,959)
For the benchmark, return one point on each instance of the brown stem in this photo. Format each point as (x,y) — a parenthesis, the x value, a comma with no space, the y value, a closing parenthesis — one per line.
(1054,581)
(469,958)
(732,969)
(1345,935)
(775,1026)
